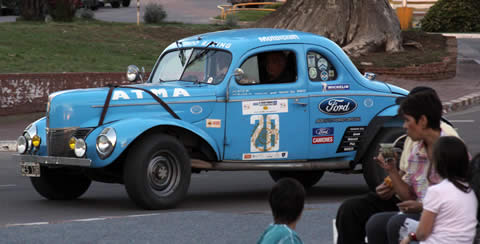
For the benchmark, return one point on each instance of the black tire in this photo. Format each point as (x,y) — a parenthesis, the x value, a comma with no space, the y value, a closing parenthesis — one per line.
(157,172)
(115,4)
(126,3)
(372,172)
(306,178)
(58,184)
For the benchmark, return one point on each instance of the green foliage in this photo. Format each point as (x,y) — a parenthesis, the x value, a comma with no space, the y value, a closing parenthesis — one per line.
(64,10)
(453,16)
(154,13)
(12,6)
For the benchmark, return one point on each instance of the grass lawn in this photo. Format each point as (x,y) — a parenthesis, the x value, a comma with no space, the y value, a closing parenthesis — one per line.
(81,46)
(95,46)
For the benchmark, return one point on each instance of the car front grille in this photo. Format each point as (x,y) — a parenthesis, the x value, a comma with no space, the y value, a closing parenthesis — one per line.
(57,140)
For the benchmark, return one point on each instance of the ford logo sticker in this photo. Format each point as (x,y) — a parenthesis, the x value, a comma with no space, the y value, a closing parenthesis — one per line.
(337,106)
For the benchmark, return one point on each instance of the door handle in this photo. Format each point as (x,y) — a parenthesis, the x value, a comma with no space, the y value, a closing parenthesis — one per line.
(301,104)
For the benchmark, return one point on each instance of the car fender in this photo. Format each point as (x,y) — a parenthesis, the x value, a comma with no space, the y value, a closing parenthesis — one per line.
(129,129)
(385,118)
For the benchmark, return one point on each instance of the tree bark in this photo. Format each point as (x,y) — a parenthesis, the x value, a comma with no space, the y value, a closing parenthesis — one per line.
(358,26)
(34,9)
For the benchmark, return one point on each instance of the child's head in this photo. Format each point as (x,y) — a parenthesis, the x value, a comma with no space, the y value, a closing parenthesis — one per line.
(286,199)
(452,161)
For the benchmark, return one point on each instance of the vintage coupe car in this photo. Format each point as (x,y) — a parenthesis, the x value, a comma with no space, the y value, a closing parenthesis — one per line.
(212,103)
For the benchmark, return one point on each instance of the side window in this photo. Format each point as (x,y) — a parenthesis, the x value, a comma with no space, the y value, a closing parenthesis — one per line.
(319,68)
(270,68)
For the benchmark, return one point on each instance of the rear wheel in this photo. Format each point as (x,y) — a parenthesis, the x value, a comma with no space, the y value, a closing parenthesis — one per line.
(60,184)
(157,172)
(306,178)
(372,172)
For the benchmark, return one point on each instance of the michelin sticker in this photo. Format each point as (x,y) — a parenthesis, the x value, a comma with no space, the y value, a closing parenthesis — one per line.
(264,156)
(265,107)
(337,106)
(162,92)
(335,87)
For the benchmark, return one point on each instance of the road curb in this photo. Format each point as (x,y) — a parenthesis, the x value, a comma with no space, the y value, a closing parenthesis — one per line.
(8,146)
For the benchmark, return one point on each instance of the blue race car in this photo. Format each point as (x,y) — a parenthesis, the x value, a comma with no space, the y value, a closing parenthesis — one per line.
(284,101)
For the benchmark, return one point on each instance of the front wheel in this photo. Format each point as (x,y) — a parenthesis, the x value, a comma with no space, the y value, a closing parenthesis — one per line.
(306,178)
(157,172)
(115,4)
(60,184)
(372,172)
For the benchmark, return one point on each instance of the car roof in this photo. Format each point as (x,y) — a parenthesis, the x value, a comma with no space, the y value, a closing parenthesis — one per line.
(246,39)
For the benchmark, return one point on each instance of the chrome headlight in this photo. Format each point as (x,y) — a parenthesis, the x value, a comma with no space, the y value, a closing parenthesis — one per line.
(80,148)
(22,144)
(106,142)
(29,133)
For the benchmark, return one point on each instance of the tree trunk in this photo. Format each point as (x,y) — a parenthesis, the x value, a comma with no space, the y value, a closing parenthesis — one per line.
(34,9)
(359,26)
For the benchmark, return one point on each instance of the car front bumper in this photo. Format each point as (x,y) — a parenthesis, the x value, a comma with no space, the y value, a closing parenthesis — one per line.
(49,160)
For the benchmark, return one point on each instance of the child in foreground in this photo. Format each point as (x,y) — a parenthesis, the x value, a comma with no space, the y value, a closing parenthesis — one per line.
(286,200)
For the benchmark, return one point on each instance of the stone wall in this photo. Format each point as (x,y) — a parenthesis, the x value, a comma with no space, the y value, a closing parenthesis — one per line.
(27,93)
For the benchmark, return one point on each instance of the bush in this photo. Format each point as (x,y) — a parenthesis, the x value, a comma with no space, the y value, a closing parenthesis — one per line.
(154,13)
(85,13)
(453,16)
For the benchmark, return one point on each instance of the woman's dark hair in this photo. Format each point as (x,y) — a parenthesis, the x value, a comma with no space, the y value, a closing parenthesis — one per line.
(286,199)
(452,162)
(475,181)
(424,102)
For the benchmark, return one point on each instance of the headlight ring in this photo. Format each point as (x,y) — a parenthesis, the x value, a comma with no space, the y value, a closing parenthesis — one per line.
(106,142)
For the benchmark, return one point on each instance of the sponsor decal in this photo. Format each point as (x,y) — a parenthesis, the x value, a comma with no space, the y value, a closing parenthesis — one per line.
(266,133)
(368,102)
(322,139)
(312,72)
(337,106)
(278,38)
(177,92)
(214,123)
(331,73)
(265,156)
(265,107)
(196,109)
(311,60)
(324,75)
(326,131)
(335,87)
(337,120)
(322,64)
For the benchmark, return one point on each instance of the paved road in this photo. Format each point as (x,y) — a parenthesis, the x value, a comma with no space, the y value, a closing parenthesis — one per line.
(186,11)
(221,207)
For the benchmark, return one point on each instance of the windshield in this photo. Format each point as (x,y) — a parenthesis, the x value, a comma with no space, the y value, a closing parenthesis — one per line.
(194,64)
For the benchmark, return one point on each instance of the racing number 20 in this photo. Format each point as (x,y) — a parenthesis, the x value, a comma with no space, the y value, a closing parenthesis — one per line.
(266,142)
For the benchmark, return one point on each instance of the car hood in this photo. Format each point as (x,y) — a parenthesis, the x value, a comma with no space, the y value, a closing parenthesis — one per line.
(83,107)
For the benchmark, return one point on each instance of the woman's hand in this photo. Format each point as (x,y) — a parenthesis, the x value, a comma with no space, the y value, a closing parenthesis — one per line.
(384,192)
(410,206)
(389,166)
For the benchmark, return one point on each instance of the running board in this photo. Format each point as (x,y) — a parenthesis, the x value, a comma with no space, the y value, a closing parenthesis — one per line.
(271,165)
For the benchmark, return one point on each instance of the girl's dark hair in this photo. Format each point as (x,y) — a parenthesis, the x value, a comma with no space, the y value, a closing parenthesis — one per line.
(451,161)
(286,199)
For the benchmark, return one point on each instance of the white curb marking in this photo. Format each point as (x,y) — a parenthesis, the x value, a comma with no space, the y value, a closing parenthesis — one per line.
(462,121)
(8,185)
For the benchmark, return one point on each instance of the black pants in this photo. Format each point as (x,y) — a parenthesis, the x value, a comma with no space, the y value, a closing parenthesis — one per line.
(353,214)
(384,227)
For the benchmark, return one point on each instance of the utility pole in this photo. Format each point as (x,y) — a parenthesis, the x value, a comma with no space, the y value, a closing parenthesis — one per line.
(138,12)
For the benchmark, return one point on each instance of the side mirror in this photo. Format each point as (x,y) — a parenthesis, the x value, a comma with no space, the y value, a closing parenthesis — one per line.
(133,73)
(239,74)
(370,76)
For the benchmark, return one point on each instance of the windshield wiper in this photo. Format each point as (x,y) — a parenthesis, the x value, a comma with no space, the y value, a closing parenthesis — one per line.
(181,55)
(204,51)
